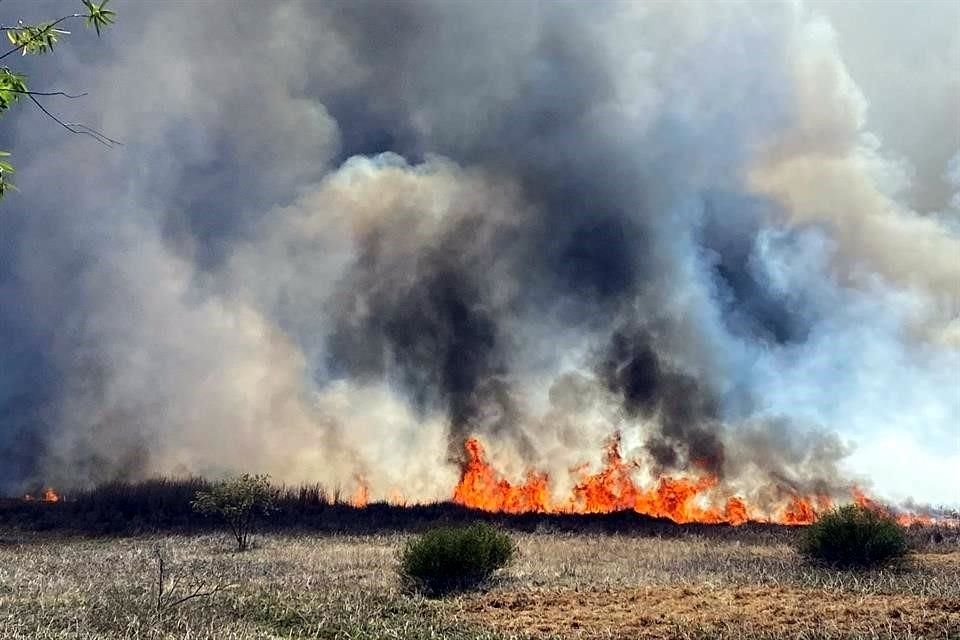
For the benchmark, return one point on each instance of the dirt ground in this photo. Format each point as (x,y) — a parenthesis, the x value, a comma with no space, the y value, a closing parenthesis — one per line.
(665,611)
(693,588)
(591,586)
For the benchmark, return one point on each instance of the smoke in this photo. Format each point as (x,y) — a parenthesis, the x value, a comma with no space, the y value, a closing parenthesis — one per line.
(686,414)
(336,250)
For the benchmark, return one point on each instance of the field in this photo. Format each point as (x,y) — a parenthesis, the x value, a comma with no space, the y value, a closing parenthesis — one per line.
(722,583)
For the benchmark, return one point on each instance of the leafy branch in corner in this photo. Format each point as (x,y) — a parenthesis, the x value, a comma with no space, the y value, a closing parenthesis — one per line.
(38,39)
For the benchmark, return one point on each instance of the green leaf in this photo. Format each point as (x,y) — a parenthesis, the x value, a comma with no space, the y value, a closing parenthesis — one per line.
(98,16)
(5,167)
(35,39)
(12,86)
(5,185)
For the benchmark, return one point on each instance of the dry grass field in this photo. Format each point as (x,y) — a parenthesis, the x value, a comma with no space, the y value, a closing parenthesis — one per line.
(562,586)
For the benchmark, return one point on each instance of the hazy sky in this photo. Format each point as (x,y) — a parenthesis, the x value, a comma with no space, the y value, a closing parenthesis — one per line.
(904,56)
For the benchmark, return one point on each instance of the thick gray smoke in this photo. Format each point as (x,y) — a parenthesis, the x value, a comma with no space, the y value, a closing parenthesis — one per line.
(342,237)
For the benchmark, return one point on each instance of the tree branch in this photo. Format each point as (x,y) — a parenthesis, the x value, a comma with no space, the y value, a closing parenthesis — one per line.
(40,34)
(72,96)
(198,593)
(76,127)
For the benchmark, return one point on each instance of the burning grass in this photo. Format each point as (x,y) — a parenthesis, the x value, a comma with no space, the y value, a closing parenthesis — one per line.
(164,504)
(745,584)
(613,489)
(695,497)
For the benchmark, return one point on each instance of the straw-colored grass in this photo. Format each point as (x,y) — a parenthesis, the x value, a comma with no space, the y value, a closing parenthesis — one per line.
(560,586)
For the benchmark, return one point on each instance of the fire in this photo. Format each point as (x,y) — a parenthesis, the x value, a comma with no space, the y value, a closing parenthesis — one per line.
(681,499)
(361,495)
(481,488)
(903,518)
(735,511)
(799,511)
(48,495)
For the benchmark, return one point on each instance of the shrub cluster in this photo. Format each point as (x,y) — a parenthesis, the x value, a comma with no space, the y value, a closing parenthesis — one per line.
(854,536)
(451,559)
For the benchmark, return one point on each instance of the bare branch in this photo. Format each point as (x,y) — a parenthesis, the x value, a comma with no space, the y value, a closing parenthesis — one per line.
(167,597)
(72,96)
(76,127)
(176,583)
(198,593)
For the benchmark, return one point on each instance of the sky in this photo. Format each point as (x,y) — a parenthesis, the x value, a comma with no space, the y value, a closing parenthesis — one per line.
(340,237)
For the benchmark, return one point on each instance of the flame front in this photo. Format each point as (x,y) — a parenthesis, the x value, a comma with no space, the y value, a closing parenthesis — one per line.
(903,518)
(481,488)
(681,499)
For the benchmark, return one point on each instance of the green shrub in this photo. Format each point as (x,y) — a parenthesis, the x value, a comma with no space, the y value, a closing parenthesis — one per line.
(451,559)
(854,536)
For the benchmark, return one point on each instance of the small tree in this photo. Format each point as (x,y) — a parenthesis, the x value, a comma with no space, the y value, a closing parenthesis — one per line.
(855,536)
(238,502)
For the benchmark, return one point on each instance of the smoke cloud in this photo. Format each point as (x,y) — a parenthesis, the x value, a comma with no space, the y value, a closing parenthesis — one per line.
(340,238)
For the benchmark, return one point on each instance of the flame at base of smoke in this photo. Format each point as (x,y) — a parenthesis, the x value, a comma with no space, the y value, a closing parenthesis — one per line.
(904,519)
(681,499)
(692,499)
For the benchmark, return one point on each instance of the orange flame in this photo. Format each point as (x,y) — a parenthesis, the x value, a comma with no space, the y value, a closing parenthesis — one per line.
(481,488)
(48,495)
(681,499)
(361,495)
(736,511)
(903,518)
(798,511)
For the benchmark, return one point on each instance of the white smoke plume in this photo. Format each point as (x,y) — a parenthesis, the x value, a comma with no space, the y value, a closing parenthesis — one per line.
(342,237)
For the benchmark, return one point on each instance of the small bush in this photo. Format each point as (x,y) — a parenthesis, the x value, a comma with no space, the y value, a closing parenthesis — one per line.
(854,536)
(455,558)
